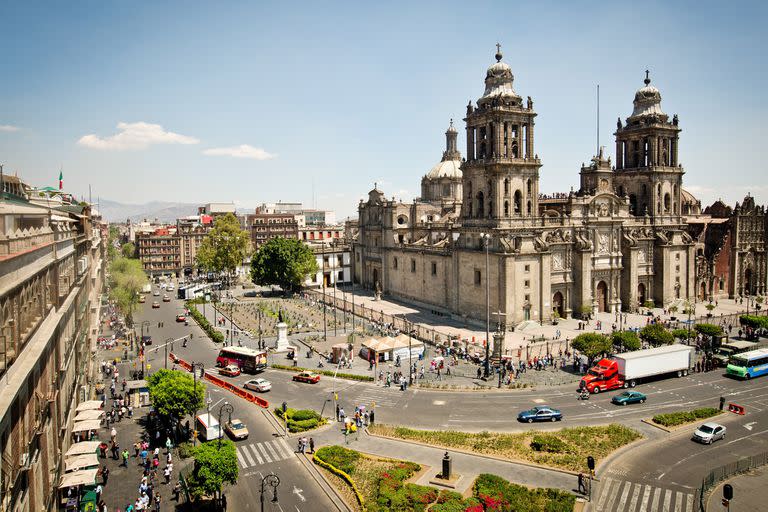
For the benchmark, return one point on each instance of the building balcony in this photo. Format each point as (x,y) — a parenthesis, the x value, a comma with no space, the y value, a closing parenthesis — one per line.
(24,240)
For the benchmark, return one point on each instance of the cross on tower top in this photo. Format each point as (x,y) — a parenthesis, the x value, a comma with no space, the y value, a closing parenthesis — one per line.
(498,52)
(647,80)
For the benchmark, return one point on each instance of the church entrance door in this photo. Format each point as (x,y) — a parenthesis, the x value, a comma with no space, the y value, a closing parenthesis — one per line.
(602,297)
(557,304)
(640,294)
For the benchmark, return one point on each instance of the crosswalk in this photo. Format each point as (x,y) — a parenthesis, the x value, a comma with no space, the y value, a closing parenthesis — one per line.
(257,454)
(388,397)
(626,496)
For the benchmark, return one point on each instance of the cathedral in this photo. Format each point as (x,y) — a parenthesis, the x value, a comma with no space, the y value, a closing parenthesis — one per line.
(482,236)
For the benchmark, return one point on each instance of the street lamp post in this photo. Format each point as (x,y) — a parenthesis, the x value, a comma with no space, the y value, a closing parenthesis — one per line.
(195,366)
(486,238)
(273,481)
(325,323)
(165,347)
(335,308)
(229,409)
(260,314)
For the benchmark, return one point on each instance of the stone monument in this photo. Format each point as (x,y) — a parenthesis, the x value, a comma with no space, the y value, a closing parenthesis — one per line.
(282,344)
(377,291)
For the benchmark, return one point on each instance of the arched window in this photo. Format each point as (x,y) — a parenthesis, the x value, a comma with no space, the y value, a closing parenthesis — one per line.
(667,202)
(621,191)
(506,186)
(658,190)
(529,208)
(518,202)
(528,187)
(514,149)
(480,204)
(506,208)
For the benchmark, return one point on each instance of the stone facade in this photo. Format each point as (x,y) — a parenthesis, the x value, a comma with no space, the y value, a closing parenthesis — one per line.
(617,242)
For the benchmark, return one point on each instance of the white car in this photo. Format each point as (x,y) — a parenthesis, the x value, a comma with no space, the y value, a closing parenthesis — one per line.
(708,433)
(261,385)
(156,293)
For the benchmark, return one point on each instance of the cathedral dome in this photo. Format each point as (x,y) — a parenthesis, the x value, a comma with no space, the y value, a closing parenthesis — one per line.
(498,81)
(446,169)
(647,100)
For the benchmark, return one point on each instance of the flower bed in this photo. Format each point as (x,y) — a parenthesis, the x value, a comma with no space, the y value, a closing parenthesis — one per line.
(300,420)
(381,485)
(673,419)
(212,333)
(329,373)
(567,452)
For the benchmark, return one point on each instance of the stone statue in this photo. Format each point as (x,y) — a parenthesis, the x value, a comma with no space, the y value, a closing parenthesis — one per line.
(280,316)
(530,103)
(618,124)
(674,120)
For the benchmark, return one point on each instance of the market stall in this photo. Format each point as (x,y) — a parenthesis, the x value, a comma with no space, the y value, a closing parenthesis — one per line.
(89,405)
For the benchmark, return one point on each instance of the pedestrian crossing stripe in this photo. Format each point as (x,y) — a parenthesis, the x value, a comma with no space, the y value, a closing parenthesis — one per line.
(625,496)
(379,396)
(255,454)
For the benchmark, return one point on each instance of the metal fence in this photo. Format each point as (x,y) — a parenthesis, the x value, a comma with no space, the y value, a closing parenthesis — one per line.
(726,470)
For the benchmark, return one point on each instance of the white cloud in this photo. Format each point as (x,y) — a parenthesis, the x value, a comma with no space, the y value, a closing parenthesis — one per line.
(241,151)
(134,136)
(8,128)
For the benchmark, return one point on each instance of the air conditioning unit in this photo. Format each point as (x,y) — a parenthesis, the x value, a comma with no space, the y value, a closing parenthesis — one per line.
(82,265)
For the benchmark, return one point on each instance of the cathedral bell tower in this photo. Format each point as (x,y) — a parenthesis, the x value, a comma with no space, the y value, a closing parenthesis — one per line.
(647,169)
(501,172)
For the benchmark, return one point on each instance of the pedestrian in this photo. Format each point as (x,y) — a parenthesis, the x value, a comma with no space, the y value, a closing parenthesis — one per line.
(168,444)
(113,434)
(479,372)
(311,445)
(169,458)
(104,474)
(167,475)
(582,487)
(371,416)
(176,491)
(126,455)
(341,414)
(98,491)
(136,449)
(338,418)
(224,502)
(157,502)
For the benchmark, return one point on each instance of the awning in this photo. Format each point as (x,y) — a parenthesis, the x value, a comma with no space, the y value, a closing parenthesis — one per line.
(82,426)
(89,405)
(83,448)
(82,477)
(90,414)
(136,384)
(79,462)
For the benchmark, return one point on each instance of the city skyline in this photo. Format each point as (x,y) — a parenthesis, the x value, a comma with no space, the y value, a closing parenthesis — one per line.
(173,98)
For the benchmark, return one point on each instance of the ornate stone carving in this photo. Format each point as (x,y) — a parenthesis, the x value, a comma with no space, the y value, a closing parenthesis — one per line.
(583,242)
(603,210)
(558,236)
(509,244)
(603,244)
(557,261)
(540,245)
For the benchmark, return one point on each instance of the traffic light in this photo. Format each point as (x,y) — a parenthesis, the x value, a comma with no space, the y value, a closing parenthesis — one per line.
(285,407)
(728,491)
(591,463)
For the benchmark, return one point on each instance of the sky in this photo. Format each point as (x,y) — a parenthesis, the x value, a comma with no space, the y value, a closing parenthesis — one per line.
(315,102)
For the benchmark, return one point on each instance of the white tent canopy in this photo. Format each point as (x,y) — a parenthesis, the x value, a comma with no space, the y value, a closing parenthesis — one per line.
(392,347)
(82,426)
(78,462)
(89,405)
(83,448)
(82,477)
(90,414)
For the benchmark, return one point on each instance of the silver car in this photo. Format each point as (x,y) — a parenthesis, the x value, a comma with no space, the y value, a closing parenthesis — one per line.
(261,385)
(708,433)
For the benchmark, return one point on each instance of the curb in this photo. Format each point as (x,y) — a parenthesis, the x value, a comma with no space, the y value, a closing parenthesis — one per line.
(649,421)
(317,475)
(483,455)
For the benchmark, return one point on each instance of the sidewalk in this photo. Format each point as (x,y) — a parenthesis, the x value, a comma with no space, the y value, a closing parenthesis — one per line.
(749,492)
(468,466)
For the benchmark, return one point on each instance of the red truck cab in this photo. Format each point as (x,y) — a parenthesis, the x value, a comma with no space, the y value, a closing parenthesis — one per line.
(602,377)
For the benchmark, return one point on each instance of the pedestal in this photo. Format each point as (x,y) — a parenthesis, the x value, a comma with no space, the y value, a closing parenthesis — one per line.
(282,344)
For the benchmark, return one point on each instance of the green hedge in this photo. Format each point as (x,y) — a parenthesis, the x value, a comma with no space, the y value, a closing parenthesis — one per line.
(329,373)
(300,420)
(340,457)
(548,443)
(495,493)
(754,321)
(672,419)
(203,322)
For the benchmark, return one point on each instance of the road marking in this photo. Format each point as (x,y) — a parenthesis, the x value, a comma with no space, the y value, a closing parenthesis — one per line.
(635,496)
(438,402)
(656,496)
(623,500)
(247,456)
(646,497)
(264,452)
(241,460)
(281,449)
(689,500)
(748,426)
(678,501)
(287,448)
(667,500)
(256,453)
(298,492)
(538,400)
(610,483)
(273,452)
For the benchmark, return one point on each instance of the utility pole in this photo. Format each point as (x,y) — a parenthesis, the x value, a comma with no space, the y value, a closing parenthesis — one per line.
(325,322)
(486,242)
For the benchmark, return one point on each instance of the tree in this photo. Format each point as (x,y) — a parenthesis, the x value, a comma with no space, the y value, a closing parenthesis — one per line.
(173,393)
(283,261)
(709,329)
(591,344)
(656,335)
(224,247)
(681,334)
(215,465)
(128,250)
(126,279)
(626,339)
(672,310)
(710,307)
(649,304)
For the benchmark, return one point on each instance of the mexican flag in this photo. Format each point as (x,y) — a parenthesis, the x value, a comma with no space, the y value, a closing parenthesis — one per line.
(61,180)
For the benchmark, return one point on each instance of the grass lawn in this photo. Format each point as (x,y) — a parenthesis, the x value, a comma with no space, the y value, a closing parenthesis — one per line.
(563,449)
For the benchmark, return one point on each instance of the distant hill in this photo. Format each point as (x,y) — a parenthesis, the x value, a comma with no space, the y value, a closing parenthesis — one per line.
(163,211)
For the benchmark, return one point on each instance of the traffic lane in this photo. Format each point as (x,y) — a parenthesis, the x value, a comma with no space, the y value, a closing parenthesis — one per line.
(264,452)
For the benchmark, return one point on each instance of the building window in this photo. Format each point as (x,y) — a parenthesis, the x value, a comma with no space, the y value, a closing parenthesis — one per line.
(677,268)
(478,277)
(722,284)
(413,265)
(527,298)
(394,263)
(434,268)
(527,283)
(527,268)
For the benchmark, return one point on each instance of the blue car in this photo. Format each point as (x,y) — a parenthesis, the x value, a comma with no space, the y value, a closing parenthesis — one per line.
(540,413)
(629,397)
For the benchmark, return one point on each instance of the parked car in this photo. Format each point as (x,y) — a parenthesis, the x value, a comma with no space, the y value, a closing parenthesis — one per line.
(310,377)
(155,305)
(708,433)
(230,371)
(540,413)
(181,318)
(147,340)
(236,429)
(156,293)
(629,397)
(261,385)
(142,299)
(166,298)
